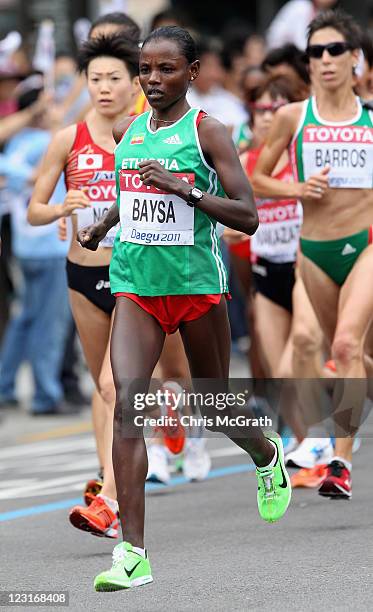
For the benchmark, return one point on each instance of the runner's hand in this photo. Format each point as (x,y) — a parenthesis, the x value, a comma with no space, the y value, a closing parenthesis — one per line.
(75,198)
(90,237)
(317,185)
(153,174)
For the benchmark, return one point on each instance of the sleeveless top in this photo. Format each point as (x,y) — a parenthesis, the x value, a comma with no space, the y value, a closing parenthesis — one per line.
(165,247)
(88,165)
(277,236)
(345,146)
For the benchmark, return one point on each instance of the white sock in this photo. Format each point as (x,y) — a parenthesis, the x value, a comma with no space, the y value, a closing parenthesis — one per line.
(139,551)
(344,461)
(112,503)
(273,461)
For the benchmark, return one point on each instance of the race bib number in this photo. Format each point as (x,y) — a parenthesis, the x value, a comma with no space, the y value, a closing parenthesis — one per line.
(88,216)
(277,236)
(148,216)
(347,149)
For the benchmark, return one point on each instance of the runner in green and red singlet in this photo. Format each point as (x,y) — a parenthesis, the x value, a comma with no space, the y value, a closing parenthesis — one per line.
(177,175)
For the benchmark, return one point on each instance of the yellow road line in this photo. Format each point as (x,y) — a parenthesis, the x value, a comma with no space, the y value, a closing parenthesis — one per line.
(59,432)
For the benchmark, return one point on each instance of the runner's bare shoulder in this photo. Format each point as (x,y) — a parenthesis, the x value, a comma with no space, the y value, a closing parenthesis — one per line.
(213,135)
(63,139)
(289,115)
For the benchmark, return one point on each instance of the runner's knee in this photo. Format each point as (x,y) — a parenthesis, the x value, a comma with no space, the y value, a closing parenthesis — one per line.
(129,402)
(107,389)
(346,348)
(305,342)
(284,371)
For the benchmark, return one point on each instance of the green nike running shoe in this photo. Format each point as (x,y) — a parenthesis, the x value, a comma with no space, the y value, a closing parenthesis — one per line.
(274,488)
(129,570)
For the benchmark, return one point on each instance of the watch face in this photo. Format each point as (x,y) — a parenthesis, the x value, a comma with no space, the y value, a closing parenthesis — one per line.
(197,193)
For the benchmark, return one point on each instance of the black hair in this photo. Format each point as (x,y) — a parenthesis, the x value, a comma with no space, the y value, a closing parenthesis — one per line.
(341,22)
(180,36)
(169,13)
(291,55)
(66,54)
(247,72)
(127,25)
(367,47)
(276,87)
(234,38)
(110,46)
(205,45)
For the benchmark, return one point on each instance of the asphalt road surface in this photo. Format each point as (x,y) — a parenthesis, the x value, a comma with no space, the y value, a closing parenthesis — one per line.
(208,547)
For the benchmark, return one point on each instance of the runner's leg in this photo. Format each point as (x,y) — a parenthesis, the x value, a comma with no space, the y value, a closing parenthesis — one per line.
(107,392)
(272,323)
(289,409)
(98,421)
(94,327)
(136,344)
(355,311)
(210,336)
(307,358)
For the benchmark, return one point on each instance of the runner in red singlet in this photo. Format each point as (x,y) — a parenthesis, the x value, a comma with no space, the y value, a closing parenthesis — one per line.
(85,153)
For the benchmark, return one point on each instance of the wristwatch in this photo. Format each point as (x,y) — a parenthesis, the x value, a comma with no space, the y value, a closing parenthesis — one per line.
(194,196)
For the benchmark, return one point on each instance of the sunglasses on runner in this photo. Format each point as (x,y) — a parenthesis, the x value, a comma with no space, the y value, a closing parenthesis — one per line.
(263,108)
(334,49)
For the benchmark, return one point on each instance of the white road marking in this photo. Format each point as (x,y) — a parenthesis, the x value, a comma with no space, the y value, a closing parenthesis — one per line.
(75,458)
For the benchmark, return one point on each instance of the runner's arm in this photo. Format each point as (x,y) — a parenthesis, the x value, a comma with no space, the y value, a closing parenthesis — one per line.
(238,209)
(111,218)
(90,237)
(279,137)
(39,213)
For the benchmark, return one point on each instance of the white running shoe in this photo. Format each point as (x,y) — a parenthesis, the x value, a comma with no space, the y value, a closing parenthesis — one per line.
(289,444)
(311,452)
(356,445)
(158,470)
(197,462)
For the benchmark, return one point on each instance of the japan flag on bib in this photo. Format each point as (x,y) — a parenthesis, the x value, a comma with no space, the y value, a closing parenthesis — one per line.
(89,161)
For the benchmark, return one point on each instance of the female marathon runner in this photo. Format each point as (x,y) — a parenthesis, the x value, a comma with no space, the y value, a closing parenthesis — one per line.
(282,309)
(167,273)
(330,137)
(274,245)
(172,363)
(84,152)
(172,366)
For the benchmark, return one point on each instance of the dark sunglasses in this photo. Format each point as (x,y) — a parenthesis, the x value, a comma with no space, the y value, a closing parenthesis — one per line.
(334,49)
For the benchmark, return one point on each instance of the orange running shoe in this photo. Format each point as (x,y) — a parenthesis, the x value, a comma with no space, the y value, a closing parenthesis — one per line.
(309,477)
(98,519)
(173,435)
(330,365)
(92,488)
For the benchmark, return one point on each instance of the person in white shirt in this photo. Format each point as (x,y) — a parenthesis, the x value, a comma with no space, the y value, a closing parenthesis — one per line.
(297,13)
